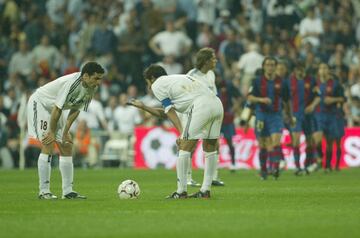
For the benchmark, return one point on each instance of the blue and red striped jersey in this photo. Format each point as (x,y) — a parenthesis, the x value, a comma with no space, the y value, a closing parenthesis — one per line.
(330,88)
(277,90)
(302,91)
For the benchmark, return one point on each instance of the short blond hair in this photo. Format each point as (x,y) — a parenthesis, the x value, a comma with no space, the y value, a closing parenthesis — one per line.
(202,56)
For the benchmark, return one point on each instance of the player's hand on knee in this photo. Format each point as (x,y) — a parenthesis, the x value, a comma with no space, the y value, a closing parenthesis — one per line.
(67,139)
(48,139)
(178,142)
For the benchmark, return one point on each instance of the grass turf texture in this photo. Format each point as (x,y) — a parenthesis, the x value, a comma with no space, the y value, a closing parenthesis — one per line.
(319,205)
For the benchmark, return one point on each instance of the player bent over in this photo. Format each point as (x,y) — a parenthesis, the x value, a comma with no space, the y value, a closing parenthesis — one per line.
(184,94)
(52,109)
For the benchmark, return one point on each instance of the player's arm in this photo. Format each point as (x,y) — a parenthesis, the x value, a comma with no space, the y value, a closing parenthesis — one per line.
(73,114)
(158,112)
(287,104)
(171,114)
(254,95)
(337,98)
(315,102)
(54,118)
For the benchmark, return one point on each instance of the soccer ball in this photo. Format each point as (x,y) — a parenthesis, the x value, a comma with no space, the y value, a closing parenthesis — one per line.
(128,189)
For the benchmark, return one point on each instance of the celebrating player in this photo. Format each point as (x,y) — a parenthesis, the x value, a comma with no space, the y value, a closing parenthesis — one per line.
(52,109)
(304,98)
(267,93)
(326,113)
(184,94)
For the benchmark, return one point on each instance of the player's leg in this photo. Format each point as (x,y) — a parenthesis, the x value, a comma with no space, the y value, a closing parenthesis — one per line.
(211,160)
(216,180)
(274,125)
(209,130)
(296,147)
(185,148)
(329,149)
(338,153)
(263,155)
(340,133)
(38,125)
(276,154)
(317,138)
(67,171)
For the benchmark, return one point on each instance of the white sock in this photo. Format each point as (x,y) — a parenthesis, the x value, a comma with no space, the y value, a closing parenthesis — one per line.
(189,170)
(67,173)
(216,174)
(44,171)
(211,159)
(181,170)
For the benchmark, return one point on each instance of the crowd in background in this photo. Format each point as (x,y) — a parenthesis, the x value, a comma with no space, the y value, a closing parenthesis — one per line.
(41,40)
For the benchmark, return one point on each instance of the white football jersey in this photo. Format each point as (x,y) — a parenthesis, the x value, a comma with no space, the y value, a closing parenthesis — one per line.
(66,93)
(208,78)
(179,91)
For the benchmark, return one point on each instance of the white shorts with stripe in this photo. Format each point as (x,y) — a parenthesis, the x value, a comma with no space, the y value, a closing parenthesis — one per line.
(203,120)
(38,118)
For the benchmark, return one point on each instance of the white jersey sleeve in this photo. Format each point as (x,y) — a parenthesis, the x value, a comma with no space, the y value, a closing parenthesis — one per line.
(64,92)
(161,91)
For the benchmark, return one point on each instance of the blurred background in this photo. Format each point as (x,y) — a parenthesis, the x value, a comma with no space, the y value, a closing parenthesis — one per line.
(41,40)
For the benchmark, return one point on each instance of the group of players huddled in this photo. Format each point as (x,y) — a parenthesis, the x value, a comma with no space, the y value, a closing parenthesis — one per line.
(299,102)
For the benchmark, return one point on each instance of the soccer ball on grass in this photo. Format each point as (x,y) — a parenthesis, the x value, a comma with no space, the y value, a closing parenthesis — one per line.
(128,189)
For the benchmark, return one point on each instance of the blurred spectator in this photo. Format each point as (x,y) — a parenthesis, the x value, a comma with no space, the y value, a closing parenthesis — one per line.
(131,46)
(85,149)
(170,65)
(21,61)
(110,113)
(311,28)
(11,12)
(355,111)
(6,159)
(167,8)
(206,37)
(56,10)
(222,24)
(94,117)
(46,56)
(247,65)
(230,51)
(206,11)
(170,42)
(126,117)
(150,19)
(103,40)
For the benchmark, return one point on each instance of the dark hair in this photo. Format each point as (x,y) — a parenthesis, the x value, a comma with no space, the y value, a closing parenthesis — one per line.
(202,56)
(92,67)
(300,64)
(269,58)
(155,71)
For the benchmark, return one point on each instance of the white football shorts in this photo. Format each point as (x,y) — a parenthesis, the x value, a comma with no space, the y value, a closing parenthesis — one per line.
(203,120)
(38,118)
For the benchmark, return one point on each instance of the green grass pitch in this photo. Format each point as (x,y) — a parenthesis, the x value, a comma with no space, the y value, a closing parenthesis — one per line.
(319,205)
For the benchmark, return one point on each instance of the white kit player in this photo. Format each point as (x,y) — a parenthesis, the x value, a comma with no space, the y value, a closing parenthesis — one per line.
(52,109)
(183,94)
(205,63)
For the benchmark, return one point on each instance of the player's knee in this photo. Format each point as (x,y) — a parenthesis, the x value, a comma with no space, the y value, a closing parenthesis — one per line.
(210,145)
(47,149)
(66,149)
(187,145)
